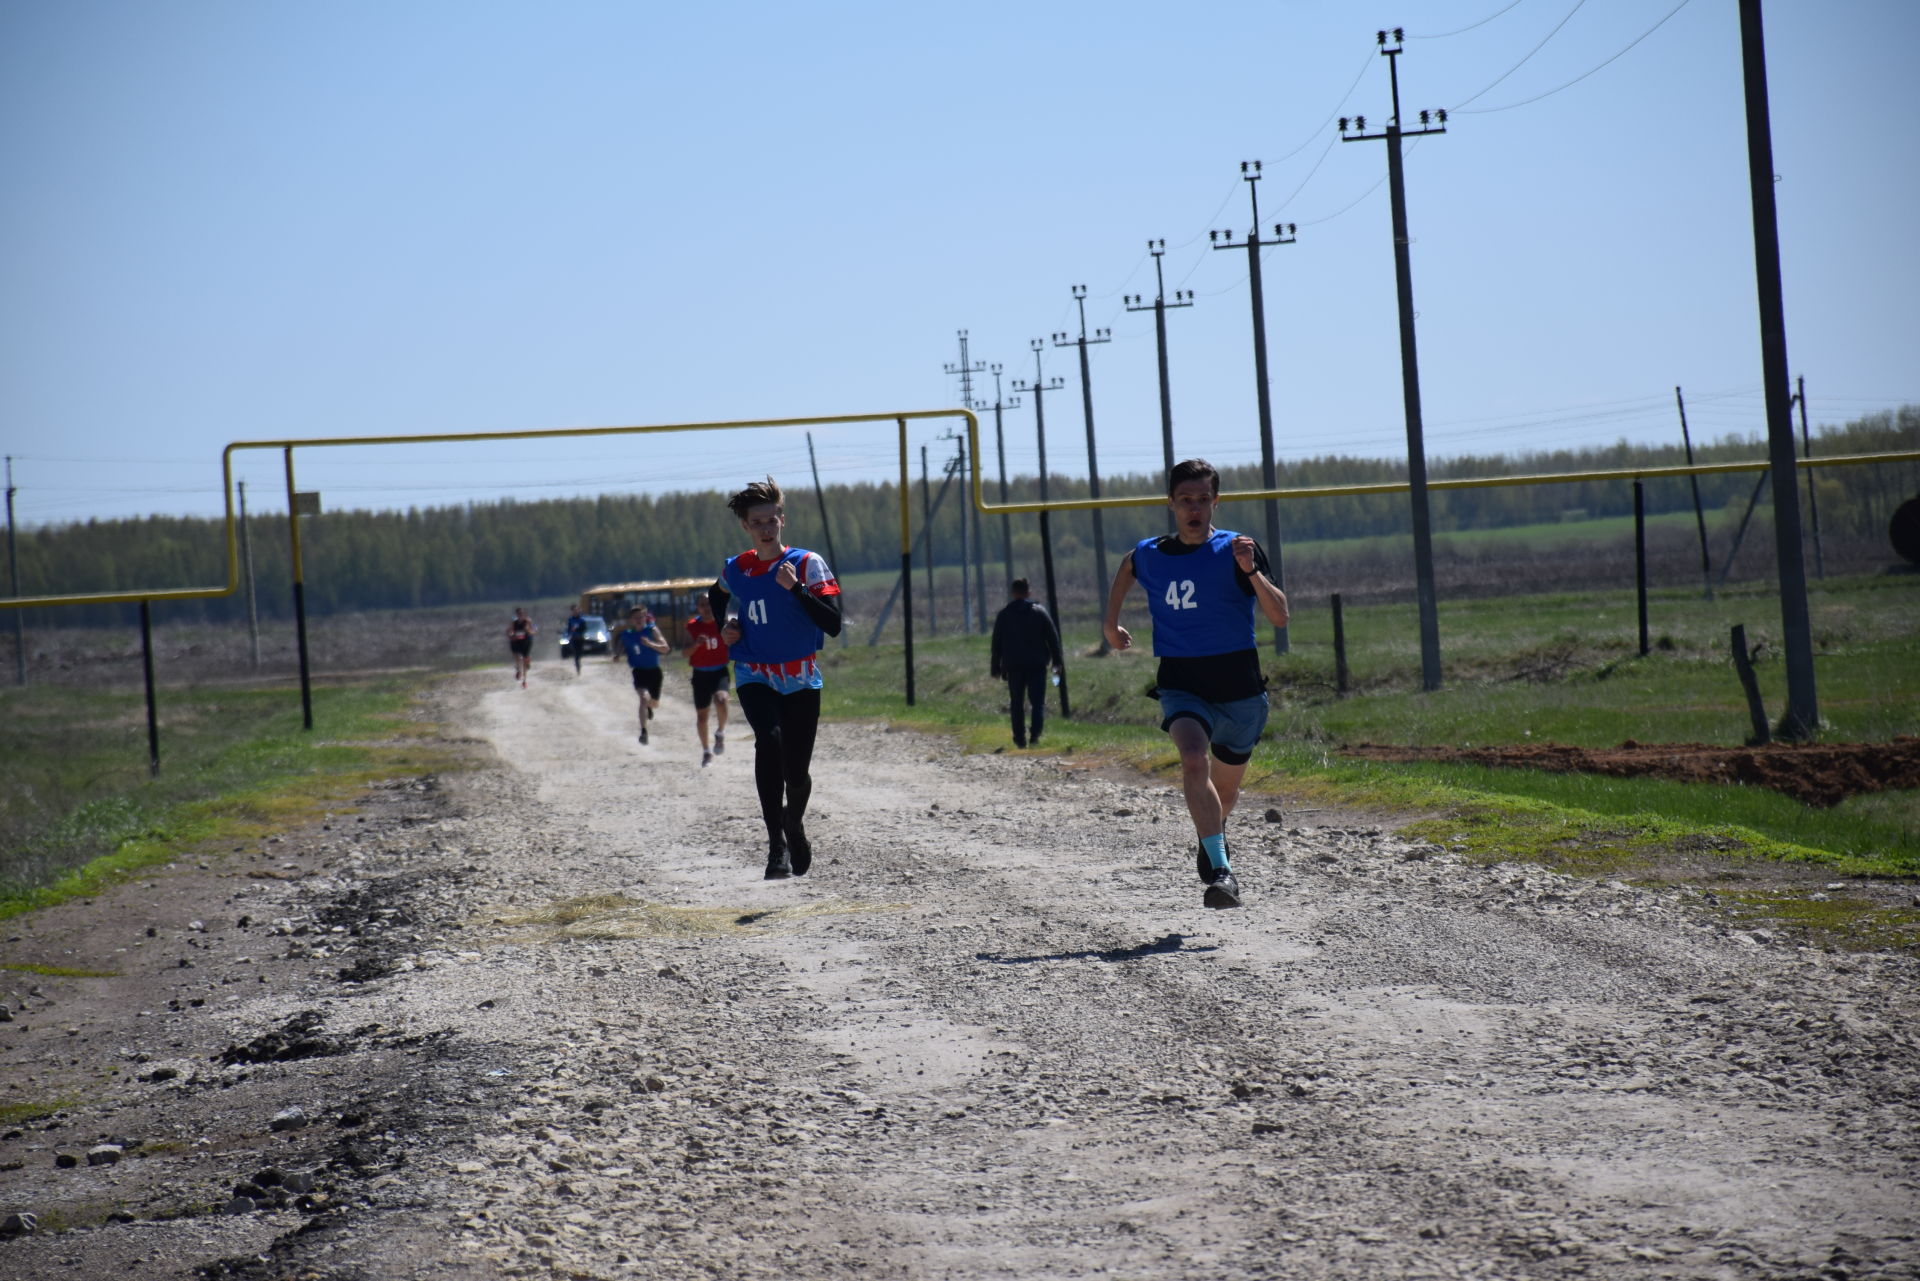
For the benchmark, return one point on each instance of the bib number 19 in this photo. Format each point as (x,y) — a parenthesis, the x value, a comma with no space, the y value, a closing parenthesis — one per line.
(1180,594)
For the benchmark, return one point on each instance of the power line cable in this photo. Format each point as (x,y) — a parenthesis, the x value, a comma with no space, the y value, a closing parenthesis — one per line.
(1463,30)
(1578,5)
(1483,111)
(1321,127)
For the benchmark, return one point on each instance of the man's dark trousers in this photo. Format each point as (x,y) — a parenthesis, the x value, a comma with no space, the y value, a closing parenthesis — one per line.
(1029,685)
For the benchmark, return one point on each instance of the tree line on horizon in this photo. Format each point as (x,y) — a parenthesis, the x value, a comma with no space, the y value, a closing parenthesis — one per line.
(555,548)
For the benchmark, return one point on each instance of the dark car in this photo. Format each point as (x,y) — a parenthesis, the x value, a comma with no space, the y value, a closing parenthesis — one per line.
(594,640)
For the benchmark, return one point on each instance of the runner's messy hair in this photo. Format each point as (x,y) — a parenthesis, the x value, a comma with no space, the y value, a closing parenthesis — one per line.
(757,494)
(1193,469)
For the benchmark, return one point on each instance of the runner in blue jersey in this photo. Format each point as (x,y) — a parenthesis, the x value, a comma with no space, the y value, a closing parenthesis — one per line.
(785,603)
(1202,584)
(643,644)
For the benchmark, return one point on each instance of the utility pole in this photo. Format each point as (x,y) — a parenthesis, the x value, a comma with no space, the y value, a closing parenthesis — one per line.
(1001,404)
(13,588)
(1699,515)
(1159,306)
(1263,394)
(926,516)
(957,468)
(965,371)
(1813,501)
(246,564)
(1431,122)
(1802,716)
(1039,387)
(1093,460)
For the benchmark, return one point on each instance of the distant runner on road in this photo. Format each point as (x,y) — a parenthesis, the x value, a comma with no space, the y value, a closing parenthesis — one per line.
(707,655)
(787,602)
(643,644)
(1201,585)
(520,643)
(576,636)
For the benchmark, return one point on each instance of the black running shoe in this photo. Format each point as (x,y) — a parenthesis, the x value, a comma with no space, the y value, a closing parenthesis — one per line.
(1204,865)
(1222,890)
(779,866)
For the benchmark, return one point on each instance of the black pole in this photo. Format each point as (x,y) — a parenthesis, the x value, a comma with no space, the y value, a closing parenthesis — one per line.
(1093,459)
(926,514)
(153,713)
(1813,499)
(1410,385)
(13,588)
(1410,364)
(246,566)
(1753,500)
(1699,513)
(1340,674)
(1181,298)
(1040,387)
(1802,715)
(1269,476)
(299,598)
(1000,446)
(970,538)
(826,527)
(1640,558)
(966,369)
(906,558)
(979,548)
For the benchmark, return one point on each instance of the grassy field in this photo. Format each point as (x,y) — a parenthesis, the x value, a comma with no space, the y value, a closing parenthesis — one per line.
(79,809)
(1563,668)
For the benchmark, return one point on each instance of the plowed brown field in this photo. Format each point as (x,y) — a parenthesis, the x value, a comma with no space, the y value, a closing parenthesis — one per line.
(1820,774)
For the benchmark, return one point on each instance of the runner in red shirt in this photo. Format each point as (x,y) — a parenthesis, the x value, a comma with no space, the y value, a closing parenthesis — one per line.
(707,654)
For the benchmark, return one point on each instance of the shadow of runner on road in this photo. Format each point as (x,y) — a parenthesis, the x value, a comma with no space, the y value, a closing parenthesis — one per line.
(1165,945)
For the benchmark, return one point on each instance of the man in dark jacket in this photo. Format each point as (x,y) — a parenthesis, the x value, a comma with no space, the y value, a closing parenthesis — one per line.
(1025,647)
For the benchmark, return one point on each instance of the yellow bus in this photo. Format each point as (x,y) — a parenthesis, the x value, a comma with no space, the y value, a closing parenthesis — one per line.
(670,599)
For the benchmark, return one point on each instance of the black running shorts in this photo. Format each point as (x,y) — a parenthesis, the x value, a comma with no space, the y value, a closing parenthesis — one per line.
(708,681)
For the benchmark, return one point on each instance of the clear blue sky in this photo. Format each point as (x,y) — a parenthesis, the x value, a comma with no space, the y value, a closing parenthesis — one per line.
(232,220)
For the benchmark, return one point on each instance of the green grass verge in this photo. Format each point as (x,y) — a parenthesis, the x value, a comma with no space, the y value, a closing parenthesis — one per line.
(58,971)
(1561,668)
(78,810)
(19,1112)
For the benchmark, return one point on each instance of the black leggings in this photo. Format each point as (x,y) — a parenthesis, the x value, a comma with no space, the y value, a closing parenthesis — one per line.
(783,730)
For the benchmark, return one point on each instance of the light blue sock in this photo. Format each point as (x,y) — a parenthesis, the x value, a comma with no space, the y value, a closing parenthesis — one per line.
(1216,848)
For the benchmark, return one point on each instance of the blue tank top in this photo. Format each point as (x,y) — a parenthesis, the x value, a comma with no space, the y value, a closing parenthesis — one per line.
(639,655)
(1199,608)
(773,627)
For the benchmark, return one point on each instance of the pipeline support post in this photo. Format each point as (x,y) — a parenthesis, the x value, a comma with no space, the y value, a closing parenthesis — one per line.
(299,597)
(153,710)
(906,558)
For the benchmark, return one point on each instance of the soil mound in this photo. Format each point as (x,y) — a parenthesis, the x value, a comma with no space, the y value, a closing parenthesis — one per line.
(1819,774)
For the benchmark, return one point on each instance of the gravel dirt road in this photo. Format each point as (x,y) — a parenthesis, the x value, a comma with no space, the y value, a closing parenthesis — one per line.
(542,1018)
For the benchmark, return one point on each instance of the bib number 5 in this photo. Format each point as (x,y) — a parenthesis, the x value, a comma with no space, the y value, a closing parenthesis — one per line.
(1180,594)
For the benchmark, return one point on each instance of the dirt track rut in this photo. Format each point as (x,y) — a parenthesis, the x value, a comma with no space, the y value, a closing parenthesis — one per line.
(995,1035)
